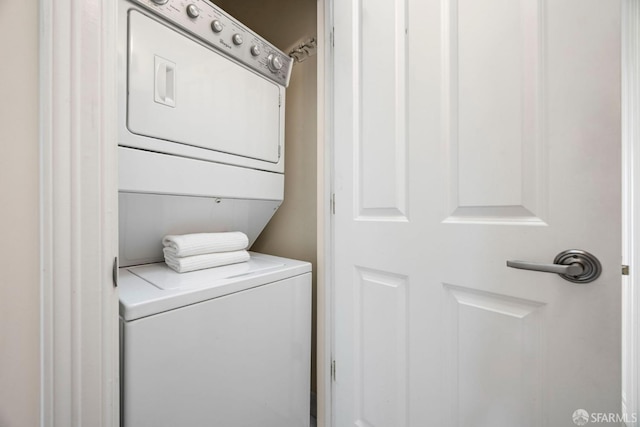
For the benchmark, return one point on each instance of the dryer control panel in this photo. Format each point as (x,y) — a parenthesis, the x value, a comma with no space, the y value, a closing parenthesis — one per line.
(216,28)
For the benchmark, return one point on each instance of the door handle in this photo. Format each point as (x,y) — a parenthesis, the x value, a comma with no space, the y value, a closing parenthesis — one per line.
(165,82)
(573,265)
(574,269)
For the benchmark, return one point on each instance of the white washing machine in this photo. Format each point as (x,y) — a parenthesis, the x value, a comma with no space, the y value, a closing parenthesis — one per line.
(226,346)
(201,149)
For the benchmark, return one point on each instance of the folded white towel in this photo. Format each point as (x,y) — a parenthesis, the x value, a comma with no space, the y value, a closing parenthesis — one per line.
(199,262)
(204,243)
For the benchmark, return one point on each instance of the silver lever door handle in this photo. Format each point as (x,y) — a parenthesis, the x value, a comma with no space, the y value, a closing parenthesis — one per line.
(573,265)
(574,269)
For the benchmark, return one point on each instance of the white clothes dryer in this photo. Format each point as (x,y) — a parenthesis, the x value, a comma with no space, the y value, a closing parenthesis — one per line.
(200,124)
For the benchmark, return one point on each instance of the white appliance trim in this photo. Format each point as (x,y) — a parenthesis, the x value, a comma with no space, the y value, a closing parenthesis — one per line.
(190,177)
(78,214)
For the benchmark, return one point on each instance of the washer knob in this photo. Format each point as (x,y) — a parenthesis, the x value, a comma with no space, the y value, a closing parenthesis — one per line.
(216,26)
(255,50)
(193,11)
(274,63)
(160,1)
(237,39)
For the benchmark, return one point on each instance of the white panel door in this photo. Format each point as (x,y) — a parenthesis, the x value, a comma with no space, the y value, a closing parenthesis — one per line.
(469,133)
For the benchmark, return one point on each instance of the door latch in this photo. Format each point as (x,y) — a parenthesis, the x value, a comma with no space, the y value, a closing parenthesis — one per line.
(114,272)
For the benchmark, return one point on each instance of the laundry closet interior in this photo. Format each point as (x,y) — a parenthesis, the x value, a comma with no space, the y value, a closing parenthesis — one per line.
(215,136)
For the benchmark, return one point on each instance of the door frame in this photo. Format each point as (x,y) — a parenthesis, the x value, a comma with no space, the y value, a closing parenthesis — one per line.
(324,298)
(631,207)
(78,214)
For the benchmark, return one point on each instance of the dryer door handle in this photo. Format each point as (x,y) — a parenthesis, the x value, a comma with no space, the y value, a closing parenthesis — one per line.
(165,82)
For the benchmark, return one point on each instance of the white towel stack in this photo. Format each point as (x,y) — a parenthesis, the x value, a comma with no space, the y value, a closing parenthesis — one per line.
(189,252)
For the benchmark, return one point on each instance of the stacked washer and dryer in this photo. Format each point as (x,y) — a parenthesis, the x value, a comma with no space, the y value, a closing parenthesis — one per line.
(201,149)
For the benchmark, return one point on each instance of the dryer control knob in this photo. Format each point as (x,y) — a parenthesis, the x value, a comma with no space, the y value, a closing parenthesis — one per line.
(274,63)
(193,11)
(216,26)
(160,1)
(237,39)
(255,50)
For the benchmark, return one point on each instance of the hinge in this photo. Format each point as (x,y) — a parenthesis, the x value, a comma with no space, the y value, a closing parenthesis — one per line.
(333,36)
(279,100)
(333,203)
(279,150)
(114,272)
(625,270)
(333,370)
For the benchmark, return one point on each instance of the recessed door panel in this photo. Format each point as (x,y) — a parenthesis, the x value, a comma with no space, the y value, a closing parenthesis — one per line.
(494,91)
(381,349)
(380,128)
(494,353)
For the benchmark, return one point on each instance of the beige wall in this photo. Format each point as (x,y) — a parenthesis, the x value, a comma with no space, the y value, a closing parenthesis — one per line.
(19,262)
(292,231)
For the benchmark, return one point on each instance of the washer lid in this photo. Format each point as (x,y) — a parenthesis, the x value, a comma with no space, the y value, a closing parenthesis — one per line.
(163,277)
(155,288)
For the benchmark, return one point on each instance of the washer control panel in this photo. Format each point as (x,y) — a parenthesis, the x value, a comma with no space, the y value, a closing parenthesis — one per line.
(216,28)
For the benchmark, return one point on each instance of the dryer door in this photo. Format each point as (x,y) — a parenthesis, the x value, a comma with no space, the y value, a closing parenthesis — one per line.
(183,92)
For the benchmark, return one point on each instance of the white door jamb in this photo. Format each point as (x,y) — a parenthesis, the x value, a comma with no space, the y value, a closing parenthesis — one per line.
(78,211)
(631,211)
(325,216)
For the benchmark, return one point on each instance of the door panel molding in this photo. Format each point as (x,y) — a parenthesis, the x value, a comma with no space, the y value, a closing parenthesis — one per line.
(381,129)
(474,133)
(494,349)
(382,321)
